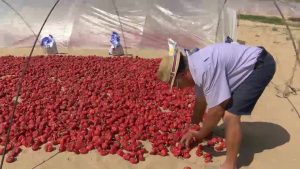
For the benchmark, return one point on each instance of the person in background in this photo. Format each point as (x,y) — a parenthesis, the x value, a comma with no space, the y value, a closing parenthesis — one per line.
(116,48)
(49,45)
(229,79)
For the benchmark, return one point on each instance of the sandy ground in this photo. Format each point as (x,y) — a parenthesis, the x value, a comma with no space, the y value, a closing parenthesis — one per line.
(271,134)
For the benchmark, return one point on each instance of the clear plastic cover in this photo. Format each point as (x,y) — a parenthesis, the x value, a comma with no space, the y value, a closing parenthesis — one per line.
(141,24)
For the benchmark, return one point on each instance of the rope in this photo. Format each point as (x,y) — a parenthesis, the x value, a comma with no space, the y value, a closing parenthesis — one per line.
(20,84)
(293,42)
(121,25)
(289,83)
(44,161)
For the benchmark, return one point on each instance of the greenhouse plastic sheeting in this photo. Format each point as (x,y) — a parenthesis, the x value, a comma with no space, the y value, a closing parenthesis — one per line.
(227,25)
(141,24)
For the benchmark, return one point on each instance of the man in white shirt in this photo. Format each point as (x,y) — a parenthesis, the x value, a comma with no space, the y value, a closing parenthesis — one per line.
(229,79)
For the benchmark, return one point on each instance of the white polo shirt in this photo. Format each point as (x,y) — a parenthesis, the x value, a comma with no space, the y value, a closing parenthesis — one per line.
(219,69)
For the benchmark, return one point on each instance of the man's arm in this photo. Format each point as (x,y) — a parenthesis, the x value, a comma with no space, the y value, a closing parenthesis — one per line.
(199,109)
(213,117)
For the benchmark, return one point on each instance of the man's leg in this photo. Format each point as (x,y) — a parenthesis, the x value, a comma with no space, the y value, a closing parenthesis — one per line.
(243,100)
(233,139)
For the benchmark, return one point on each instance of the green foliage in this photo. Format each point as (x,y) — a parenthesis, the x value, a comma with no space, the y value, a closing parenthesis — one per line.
(263,19)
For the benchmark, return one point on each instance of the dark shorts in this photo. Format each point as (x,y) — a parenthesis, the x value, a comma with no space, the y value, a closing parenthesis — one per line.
(244,98)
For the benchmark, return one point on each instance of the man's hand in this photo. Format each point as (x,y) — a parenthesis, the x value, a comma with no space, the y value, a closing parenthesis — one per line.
(213,117)
(189,137)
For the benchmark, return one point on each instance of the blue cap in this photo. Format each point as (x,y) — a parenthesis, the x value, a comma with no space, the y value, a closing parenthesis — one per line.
(228,40)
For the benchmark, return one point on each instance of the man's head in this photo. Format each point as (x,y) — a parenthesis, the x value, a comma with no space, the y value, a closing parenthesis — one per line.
(175,71)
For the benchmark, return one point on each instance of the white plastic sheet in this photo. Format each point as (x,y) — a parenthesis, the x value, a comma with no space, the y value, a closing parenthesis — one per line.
(141,24)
